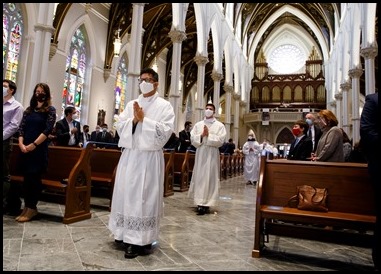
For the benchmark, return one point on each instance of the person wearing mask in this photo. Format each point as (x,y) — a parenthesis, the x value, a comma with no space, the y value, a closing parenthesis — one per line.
(144,127)
(37,123)
(252,151)
(301,147)
(85,138)
(12,115)
(68,129)
(314,131)
(330,145)
(104,137)
(185,137)
(207,136)
(370,143)
(93,135)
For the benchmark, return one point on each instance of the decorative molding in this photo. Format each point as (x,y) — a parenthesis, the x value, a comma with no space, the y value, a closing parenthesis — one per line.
(369,52)
(52,50)
(355,73)
(201,60)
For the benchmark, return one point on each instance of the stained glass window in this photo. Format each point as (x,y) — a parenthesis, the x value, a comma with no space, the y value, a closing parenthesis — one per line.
(13,27)
(287,59)
(75,72)
(120,86)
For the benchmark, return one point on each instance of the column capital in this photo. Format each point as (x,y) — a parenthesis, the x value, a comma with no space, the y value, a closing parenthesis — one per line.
(355,73)
(201,60)
(42,27)
(338,96)
(217,76)
(228,88)
(369,52)
(237,96)
(242,104)
(177,36)
(346,86)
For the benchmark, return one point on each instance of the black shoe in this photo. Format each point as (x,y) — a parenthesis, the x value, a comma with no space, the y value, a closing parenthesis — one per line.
(200,210)
(131,252)
(145,250)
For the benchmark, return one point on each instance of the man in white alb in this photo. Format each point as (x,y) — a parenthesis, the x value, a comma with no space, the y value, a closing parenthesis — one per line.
(137,202)
(207,136)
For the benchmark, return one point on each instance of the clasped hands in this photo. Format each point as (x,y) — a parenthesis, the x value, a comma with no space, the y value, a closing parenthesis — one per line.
(205,132)
(138,113)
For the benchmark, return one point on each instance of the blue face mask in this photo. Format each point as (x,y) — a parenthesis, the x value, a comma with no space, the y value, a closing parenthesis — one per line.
(309,122)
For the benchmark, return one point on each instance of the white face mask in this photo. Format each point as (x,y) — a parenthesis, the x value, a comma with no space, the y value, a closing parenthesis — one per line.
(208,113)
(146,87)
(5,91)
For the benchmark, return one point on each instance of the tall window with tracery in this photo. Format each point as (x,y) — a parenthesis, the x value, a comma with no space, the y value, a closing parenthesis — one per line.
(120,86)
(75,71)
(13,27)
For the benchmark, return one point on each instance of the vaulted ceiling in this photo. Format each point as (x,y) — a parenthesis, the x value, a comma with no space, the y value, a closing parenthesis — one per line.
(157,22)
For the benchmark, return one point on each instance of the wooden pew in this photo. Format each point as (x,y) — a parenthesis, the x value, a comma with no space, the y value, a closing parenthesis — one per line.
(350,202)
(181,172)
(169,175)
(104,163)
(67,180)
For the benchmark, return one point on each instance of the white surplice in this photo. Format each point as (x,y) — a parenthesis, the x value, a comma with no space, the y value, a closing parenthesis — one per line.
(252,160)
(137,201)
(205,184)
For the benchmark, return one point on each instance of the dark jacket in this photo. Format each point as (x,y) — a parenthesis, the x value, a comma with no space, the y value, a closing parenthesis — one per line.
(302,150)
(63,133)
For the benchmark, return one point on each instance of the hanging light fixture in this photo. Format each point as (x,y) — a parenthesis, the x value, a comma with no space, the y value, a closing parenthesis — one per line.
(117,44)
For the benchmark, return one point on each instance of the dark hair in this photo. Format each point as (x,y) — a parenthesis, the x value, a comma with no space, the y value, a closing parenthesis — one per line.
(68,110)
(152,72)
(12,85)
(187,123)
(345,137)
(210,104)
(303,125)
(33,101)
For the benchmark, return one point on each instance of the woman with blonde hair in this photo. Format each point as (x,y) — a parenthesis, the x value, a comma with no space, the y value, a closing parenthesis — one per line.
(330,145)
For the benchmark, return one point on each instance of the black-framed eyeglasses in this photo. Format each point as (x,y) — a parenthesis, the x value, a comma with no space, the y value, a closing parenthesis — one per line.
(147,80)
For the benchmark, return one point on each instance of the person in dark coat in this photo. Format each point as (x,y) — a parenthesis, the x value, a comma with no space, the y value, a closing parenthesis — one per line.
(370,142)
(301,147)
(37,123)
(68,129)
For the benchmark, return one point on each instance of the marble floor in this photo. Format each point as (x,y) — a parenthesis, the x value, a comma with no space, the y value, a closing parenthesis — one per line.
(222,240)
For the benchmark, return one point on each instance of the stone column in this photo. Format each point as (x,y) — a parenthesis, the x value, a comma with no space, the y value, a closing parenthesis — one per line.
(242,106)
(177,37)
(135,54)
(355,75)
(339,97)
(44,30)
(345,87)
(369,54)
(201,61)
(237,102)
(217,77)
(228,103)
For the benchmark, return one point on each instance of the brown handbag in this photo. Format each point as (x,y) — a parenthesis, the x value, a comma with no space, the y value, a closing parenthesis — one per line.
(310,198)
